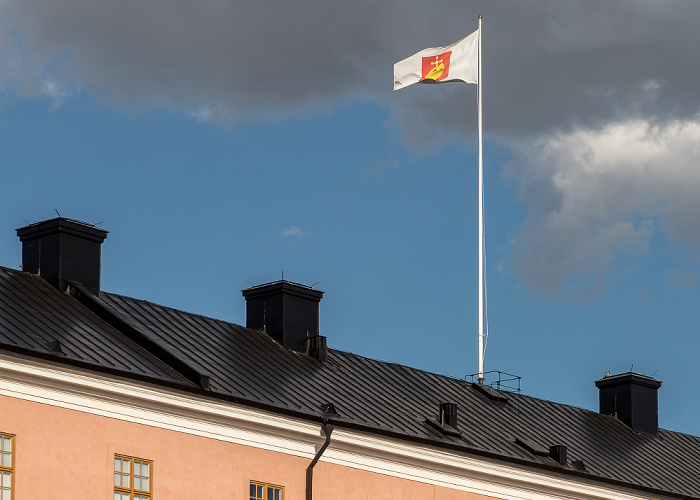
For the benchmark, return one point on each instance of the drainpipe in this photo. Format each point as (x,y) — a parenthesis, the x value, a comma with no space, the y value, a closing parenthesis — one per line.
(327,430)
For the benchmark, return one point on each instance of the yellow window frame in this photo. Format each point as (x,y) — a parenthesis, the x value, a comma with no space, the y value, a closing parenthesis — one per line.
(130,487)
(261,491)
(7,464)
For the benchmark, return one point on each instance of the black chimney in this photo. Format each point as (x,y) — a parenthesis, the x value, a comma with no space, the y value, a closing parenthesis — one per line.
(62,250)
(287,311)
(632,398)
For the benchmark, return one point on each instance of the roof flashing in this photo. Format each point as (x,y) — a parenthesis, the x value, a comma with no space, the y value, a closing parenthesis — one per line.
(329,409)
(531,447)
(557,452)
(54,346)
(579,465)
(490,393)
(445,429)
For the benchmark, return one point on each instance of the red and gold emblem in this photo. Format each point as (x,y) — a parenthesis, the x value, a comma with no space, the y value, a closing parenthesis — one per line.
(436,68)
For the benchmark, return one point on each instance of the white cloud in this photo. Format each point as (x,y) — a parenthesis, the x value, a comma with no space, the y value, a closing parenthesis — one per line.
(294,232)
(202,113)
(595,193)
(55,91)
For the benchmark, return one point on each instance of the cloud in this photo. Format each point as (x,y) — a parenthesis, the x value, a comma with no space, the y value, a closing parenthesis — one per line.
(378,166)
(294,232)
(255,59)
(596,194)
(609,99)
(682,279)
(56,92)
(202,113)
(545,64)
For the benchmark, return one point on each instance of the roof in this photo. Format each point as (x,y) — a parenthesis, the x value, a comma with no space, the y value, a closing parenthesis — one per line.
(135,338)
(36,318)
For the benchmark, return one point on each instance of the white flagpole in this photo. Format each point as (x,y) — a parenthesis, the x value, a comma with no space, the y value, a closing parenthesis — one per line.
(481,224)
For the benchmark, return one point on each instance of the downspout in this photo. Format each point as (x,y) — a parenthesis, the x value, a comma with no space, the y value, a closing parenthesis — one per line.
(327,430)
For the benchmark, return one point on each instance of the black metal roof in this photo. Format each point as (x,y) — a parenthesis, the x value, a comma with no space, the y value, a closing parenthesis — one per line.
(135,338)
(36,318)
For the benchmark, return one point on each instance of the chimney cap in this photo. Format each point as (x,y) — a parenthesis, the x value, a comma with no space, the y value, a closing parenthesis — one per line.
(61,224)
(628,378)
(290,287)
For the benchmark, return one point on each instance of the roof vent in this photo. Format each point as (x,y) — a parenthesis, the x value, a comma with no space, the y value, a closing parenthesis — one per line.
(62,250)
(287,311)
(317,347)
(447,420)
(558,454)
(632,398)
(579,465)
(448,414)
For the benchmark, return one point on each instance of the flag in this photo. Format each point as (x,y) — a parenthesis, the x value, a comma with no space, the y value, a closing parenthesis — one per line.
(453,63)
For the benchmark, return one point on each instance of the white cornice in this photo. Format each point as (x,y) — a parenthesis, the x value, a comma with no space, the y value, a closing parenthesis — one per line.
(201,416)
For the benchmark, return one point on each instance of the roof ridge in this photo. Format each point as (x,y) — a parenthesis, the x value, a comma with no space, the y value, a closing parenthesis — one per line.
(116,320)
(377,360)
(170,308)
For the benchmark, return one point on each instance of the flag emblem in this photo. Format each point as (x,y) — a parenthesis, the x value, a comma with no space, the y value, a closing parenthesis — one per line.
(457,62)
(436,68)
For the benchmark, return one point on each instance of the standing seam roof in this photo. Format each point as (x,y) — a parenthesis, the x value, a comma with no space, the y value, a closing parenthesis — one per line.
(248,366)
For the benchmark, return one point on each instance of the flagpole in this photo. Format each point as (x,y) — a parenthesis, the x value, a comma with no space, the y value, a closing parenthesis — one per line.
(427,66)
(481,223)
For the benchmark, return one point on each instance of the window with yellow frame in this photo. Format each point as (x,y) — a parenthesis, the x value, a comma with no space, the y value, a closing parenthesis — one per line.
(133,478)
(7,466)
(264,491)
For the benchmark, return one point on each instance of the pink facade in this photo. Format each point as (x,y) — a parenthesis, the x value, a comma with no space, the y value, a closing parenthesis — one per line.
(61,452)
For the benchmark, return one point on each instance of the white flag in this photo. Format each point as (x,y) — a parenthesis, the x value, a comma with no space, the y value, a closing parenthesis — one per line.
(457,62)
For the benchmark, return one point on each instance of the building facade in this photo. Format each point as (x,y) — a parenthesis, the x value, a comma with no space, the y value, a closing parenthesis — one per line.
(108,397)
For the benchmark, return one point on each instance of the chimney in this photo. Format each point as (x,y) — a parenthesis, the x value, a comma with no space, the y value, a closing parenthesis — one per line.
(632,398)
(62,250)
(289,314)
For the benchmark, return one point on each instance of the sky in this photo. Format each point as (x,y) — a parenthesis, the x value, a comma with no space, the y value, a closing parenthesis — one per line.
(229,143)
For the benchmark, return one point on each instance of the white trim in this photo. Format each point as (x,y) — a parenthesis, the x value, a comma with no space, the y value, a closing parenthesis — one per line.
(196,415)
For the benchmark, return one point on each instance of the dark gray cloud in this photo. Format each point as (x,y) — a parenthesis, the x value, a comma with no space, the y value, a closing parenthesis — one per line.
(576,64)
(246,59)
(563,83)
(545,63)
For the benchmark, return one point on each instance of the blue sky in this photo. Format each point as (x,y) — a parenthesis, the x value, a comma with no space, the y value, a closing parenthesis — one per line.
(221,146)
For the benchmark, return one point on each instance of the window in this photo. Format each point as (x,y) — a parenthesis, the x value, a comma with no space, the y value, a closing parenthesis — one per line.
(263,491)
(132,478)
(7,456)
